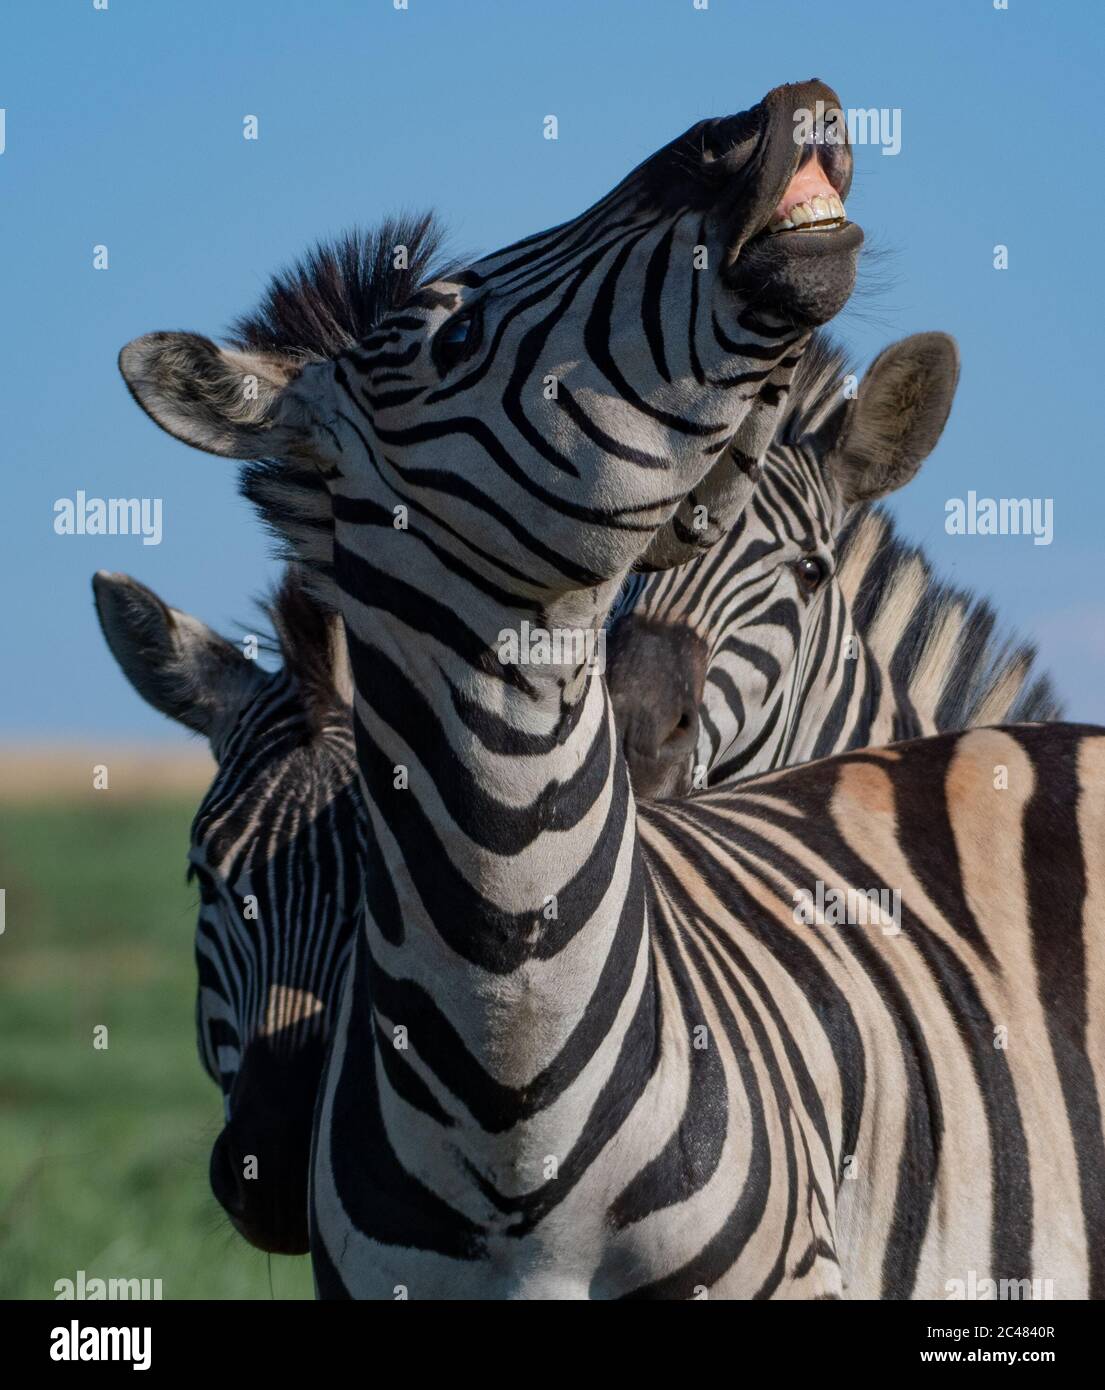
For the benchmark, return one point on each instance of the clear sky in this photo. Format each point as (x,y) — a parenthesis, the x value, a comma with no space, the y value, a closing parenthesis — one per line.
(123,128)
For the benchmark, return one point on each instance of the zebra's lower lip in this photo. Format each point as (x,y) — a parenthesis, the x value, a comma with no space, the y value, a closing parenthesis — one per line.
(827,228)
(804,274)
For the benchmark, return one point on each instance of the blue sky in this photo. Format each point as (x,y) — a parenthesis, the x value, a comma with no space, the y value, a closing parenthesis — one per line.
(124,128)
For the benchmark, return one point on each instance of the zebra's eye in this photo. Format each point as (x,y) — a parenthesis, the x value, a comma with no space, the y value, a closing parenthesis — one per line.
(456,338)
(812,572)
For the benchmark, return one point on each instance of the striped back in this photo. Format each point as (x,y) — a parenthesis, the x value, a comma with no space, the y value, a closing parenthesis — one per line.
(813,628)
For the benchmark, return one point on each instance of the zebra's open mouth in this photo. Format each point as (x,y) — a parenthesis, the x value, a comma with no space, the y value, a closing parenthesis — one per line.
(814,216)
(811,203)
(812,200)
(786,163)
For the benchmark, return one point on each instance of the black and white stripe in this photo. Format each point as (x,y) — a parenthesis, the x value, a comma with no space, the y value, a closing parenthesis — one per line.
(816,628)
(591,1052)
(277,852)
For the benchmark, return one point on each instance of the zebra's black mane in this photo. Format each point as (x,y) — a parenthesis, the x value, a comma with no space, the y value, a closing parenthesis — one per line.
(983,660)
(322,305)
(293,752)
(330,299)
(311,645)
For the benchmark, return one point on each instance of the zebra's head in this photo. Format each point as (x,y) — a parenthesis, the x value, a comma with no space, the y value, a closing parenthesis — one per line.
(276,852)
(587,399)
(723,663)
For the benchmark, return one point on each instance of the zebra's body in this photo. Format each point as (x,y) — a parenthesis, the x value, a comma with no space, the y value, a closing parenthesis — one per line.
(859,1069)
(981,1016)
(877,649)
(245,795)
(514,1103)
(272,773)
(277,849)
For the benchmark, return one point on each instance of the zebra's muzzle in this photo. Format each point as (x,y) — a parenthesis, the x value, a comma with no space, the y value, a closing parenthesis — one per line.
(792,250)
(785,150)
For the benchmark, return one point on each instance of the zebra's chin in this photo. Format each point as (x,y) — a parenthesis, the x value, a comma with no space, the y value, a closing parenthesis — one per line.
(803,275)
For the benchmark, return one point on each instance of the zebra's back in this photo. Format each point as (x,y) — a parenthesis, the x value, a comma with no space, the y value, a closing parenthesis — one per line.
(966,1024)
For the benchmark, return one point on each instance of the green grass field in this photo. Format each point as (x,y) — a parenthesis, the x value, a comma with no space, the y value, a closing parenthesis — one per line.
(103,1154)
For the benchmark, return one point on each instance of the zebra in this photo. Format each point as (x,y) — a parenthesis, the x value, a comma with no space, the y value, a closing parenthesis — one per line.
(329,302)
(276,850)
(812,628)
(286,1084)
(589,1049)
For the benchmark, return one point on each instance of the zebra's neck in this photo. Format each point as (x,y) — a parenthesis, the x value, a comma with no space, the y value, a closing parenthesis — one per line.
(853,700)
(505,955)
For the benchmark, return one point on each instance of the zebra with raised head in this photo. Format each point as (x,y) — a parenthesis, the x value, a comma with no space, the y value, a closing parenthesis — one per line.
(325,303)
(334,298)
(589,1052)
(277,848)
(811,628)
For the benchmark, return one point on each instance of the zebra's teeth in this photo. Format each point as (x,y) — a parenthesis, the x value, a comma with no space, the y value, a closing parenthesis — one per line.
(816,211)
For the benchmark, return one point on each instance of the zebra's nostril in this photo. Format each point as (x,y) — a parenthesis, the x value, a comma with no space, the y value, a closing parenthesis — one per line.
(682,730)
(259,1178)
(225,1180)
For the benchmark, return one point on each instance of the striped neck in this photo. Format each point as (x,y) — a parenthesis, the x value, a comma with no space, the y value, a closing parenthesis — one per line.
(505,948)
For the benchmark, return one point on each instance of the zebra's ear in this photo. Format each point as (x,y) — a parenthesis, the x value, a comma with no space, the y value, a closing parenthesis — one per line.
(217,399)
(875,444)
(175,662)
